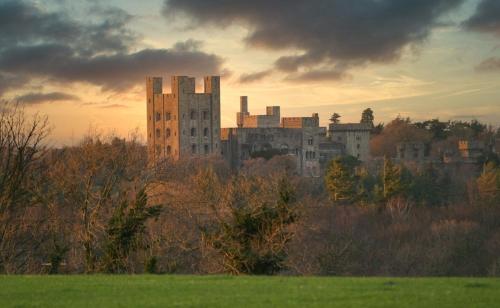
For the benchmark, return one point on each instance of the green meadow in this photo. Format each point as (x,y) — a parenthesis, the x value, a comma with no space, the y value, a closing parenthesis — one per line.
(245,291)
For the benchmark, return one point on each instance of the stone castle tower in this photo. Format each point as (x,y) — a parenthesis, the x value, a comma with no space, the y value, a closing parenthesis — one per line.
(183,123)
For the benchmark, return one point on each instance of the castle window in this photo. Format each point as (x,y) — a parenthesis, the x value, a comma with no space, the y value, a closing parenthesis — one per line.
(193,115)
(205,132)
(205,115)
(158,116)
(310,141)
(158,133)
(358,138)
(193,149)
(206,148)
(167,116)
(193,132)
(167,132)
(169,150)
(358,146)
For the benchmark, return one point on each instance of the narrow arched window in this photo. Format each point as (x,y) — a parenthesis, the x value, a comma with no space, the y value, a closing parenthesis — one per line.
(193,132)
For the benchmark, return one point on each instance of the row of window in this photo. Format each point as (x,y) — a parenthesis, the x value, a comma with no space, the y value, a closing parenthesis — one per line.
(193,116)
(206,132)
(310,155)
(206,149)
(194,149)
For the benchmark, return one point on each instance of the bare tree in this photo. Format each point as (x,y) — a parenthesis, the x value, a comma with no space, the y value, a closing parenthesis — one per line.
(21,147)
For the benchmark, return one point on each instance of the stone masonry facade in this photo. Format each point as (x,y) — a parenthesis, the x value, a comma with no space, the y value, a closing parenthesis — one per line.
(184,124)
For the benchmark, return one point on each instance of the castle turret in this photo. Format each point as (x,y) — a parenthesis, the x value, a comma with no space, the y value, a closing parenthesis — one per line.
(243,111)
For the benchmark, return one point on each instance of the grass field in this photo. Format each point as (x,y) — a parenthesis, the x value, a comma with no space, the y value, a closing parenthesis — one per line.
(227,291)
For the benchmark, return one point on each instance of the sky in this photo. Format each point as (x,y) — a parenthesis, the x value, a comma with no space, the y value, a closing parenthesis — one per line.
(84,63)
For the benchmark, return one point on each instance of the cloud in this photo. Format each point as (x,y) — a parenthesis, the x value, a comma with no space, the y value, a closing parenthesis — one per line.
(35,43)
(39,98)
(489,65)
(114,106)
(486,18)
(112,72)
(252,77)
(322,33)
(9,81)
(319,75)
(24,23)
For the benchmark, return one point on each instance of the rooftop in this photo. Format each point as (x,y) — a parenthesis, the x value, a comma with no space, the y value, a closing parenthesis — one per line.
(350,127)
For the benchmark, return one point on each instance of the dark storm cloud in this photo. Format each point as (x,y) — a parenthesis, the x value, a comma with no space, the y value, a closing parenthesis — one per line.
(24,23)
(252,77)
(38,98)
(327,32)
(52,45)
(486,18)
(116,71)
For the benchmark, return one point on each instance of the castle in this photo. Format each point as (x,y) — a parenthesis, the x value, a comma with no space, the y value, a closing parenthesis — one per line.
(184,124)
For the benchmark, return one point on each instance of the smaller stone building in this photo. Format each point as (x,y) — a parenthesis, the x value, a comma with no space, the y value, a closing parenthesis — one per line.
(471,150)
(354,136)
(410,151)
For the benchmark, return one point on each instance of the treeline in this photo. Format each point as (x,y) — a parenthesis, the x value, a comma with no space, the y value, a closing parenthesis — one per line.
(439,137)
(97,207)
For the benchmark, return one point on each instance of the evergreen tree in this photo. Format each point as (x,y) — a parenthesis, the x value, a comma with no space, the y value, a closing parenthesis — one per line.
(252,240)
(430,187)
(123,232)
(396,179)
(335,118)
(367,116)
(488,184)
(341,179)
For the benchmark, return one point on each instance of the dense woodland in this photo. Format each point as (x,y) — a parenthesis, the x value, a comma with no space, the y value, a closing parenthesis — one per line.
(98,207)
